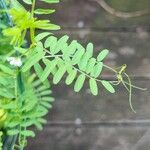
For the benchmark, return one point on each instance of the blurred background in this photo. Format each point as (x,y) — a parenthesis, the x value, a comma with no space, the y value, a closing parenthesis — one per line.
(80,121)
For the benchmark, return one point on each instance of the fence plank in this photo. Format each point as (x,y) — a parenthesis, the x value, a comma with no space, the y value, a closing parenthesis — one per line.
(87,13)
(70,138)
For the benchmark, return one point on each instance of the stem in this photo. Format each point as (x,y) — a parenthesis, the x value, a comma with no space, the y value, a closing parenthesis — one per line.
(16,87)
(32,30)
(109,68)
(23,37)
(32,33)
(32,9)
(136,87)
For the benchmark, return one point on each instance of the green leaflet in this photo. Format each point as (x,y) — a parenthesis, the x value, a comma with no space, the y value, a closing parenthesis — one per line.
(46,104)
(29,2)
(27,123)
(40,89)
(72,47)
(67,60)
(30,105)
(102,55)
(83,63)
(41,120)
(89,50)
(48,99)
(6,93)
(59,74)
(10,105)
(90,65)
(21,50)
(108,86)
(13,132)
(79,83)
(3,81)
(70,78)
(45,25)
(39,47)
(28,133)
(13,123)
(97,70)
(50,65)
(38,126)
(42,111)
(50,1)
(32,60)
(85,58)
(41,36)
(93,86)
(60,62)
(50,41)
(44,11)
(77,56)
(39,70)
(6,69)
(45,92)
(64,48)
(62,43)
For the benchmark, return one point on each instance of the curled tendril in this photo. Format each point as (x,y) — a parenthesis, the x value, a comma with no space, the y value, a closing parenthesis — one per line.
(122,76)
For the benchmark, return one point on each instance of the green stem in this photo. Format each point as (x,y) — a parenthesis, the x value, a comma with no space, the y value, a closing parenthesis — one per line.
(110,68)
(32,30)
(136,87)
(32,33)
(32,9)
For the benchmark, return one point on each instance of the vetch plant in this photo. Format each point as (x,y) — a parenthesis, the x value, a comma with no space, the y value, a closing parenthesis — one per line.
(25,95)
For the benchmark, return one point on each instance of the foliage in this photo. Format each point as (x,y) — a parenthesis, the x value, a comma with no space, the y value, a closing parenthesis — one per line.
(25,96)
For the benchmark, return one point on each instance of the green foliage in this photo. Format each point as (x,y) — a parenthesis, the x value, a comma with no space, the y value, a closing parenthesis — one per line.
(25,97)
(36,102)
